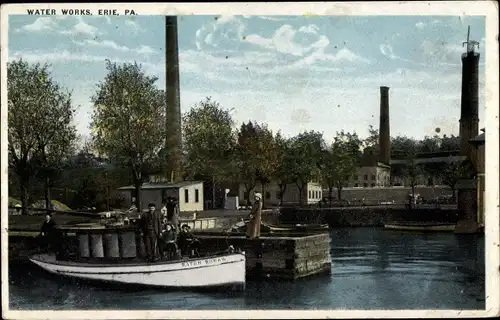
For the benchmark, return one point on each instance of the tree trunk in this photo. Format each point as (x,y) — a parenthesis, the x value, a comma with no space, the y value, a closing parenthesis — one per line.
(300,186)
(282,192)
(48,203)
(453,195)
(330,195)
(262,185)
(24,195)
(138,200)
(213,192)
(339,192)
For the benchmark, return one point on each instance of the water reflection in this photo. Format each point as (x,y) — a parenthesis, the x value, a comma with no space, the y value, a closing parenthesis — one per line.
(371,269)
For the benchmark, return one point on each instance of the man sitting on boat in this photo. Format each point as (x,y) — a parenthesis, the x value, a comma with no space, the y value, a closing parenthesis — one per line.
(168,245)
(151,228)
(187,242)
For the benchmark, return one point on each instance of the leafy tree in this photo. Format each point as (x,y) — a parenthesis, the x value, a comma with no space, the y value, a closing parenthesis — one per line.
(306,152)
(450,143)
(39,122)
(257,154)
(402,146)
(412,171)
(370,144)
(284,161)
(209,142)
(340,162)
(454,171)
(429,144)
(129,120)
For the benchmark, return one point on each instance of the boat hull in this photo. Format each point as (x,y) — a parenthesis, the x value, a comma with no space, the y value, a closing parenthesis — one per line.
(435,228)
(208,272)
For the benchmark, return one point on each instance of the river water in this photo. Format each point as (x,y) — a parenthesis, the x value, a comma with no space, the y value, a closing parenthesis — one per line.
(371,269)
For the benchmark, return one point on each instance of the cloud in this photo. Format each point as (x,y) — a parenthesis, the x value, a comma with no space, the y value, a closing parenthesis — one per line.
(271,18)
(133,25)
(143,49)
(82,28)
(420,25)
(223,29)
(40,24)
(312,28)
(288,40)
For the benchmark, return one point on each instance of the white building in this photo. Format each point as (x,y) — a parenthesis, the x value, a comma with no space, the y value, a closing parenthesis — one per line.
(312,193)
(189,194)
(371,176)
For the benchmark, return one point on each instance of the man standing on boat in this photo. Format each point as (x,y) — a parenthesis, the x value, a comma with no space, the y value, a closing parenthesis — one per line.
(152,225)
(253,227)
(48,232)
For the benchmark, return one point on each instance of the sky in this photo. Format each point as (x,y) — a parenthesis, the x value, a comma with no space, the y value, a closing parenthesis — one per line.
(294,73)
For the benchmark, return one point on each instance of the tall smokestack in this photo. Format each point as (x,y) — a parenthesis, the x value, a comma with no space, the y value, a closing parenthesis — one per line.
(469,118)
(173,105)
(384,129)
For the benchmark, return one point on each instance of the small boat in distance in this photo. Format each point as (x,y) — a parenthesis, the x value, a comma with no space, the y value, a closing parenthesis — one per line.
(421,226)
(115,253)
(265,227)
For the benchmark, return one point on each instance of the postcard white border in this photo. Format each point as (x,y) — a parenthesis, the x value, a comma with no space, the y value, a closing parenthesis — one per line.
(489,9)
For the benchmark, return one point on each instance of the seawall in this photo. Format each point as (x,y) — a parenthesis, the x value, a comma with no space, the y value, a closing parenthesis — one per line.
(375,216)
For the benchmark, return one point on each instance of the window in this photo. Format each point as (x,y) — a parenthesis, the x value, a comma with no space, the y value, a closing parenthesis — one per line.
(373,177)
(373,185)
(186,195)
(356,185)
(196,195)
(366,177)
(365,185)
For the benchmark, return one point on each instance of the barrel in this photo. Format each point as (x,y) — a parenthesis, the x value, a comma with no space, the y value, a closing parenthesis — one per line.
(83,240)
(127,245)
(96,245)
(112,248)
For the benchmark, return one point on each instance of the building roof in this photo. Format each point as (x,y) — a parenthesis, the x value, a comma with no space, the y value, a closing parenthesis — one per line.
(162,185)
(430,160)
(478,140)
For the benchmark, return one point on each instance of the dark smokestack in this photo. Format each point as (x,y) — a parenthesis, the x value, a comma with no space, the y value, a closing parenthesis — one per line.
(469,118)
(384,129)
(173,105)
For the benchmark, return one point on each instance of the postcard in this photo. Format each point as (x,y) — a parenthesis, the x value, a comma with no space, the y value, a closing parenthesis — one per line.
(250,160)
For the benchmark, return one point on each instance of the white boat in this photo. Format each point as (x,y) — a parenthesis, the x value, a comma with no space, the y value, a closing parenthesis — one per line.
(215,271)
(114,253)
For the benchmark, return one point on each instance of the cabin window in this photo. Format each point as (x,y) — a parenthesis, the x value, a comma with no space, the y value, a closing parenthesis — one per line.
(310,194)
(186,195)
(196,195)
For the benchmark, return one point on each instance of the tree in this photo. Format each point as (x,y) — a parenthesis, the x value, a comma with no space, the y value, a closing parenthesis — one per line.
(128,122)
(412,171)
(450,143)
(429,144)
(340,162)
(371,142)
(454,171)
(306,151)
(39,122)
(284,161)
(257,155)
(402,146)
(209,142)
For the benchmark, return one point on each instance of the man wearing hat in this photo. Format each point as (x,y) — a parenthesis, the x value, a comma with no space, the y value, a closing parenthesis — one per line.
(151,225)
(253,228)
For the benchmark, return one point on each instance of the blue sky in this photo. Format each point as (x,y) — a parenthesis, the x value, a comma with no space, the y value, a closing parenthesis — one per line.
(295,73)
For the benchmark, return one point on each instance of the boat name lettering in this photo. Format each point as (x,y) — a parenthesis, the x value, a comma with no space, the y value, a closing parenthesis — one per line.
(203,262)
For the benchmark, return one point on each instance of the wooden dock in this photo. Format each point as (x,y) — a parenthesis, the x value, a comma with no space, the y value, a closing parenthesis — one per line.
(277,256)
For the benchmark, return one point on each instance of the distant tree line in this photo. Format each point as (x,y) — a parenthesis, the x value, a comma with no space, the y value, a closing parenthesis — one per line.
(129,138)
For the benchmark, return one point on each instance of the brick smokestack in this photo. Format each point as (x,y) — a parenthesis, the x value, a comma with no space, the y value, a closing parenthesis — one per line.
(384,129)
(173,105)
(469,118)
